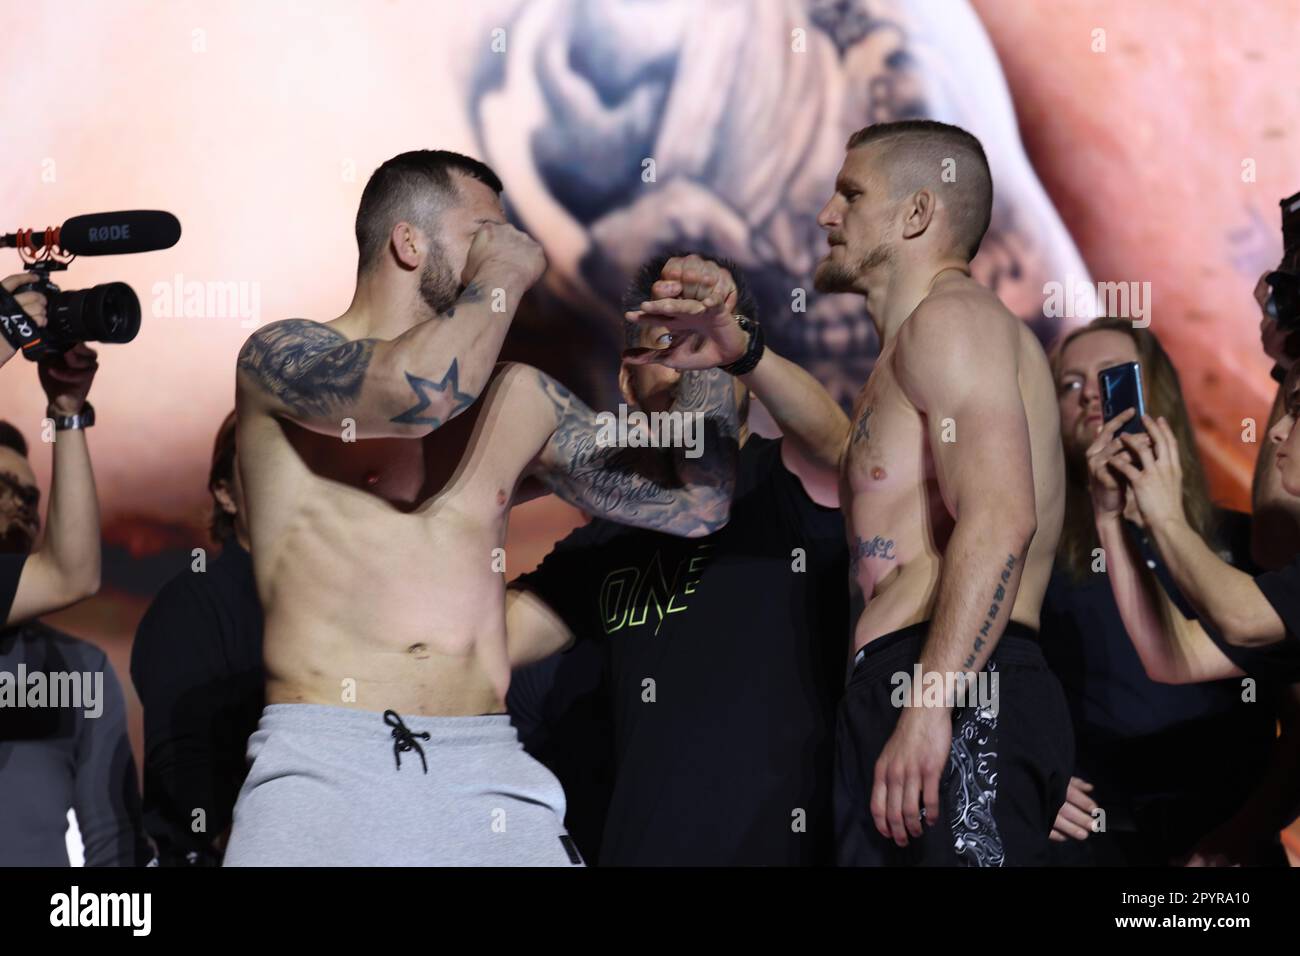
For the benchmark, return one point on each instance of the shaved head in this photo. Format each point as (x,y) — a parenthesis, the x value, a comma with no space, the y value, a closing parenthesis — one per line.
(948,161)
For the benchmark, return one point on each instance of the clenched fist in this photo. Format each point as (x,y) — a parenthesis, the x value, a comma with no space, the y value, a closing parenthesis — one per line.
(500,246)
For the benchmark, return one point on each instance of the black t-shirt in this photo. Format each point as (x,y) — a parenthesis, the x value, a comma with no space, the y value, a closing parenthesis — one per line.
(1136,739)
(11,570)
(1279,661)
(197,666)
(720,661)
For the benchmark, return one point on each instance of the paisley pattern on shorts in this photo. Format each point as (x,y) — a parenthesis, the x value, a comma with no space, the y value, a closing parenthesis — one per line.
(971,788)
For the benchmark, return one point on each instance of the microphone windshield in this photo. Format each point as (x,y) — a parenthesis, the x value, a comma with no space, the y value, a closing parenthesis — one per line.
(113,233)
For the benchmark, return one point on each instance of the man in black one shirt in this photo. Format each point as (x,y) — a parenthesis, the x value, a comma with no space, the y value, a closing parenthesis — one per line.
(197,666)
(691,722)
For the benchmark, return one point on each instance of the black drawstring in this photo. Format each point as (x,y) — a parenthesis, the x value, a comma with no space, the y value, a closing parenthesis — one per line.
(404,740)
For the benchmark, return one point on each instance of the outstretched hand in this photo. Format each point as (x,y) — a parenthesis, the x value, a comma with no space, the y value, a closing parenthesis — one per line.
(692,313)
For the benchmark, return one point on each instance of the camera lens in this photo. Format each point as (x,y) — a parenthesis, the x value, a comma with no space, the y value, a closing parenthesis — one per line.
(118,310)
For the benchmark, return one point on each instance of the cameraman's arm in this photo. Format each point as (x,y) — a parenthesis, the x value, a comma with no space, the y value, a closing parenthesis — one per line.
(67,566)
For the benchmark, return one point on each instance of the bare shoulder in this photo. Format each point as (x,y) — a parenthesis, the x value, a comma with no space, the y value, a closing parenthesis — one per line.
(967,316)
(299,364)
(298,337)
(523,383)
(957,334)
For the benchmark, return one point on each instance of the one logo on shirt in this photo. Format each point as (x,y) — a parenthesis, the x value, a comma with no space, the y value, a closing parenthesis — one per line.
(639,597)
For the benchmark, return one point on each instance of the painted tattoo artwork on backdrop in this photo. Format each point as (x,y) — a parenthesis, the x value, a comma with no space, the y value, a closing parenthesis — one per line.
(595,118)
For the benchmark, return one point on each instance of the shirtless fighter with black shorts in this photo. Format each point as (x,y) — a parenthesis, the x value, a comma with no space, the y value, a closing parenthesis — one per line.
(380,454)
(953,741)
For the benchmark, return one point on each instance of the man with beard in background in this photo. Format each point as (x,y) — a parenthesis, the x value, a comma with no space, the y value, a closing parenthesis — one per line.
(692,717)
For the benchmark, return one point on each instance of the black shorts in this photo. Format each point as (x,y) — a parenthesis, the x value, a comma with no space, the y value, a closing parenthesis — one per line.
(1007,771)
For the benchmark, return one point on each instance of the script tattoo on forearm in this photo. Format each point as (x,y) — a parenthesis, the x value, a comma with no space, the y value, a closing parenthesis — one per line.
(999,596)
(649,487)
(311,369)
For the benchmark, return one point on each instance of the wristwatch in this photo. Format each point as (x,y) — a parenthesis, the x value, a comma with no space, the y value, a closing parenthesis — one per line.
(82,419)
(753,352)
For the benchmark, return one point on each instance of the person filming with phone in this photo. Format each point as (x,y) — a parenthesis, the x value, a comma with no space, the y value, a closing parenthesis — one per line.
(1140,743)
(1245,624)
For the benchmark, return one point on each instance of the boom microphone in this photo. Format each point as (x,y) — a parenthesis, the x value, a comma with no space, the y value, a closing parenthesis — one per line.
(107,233)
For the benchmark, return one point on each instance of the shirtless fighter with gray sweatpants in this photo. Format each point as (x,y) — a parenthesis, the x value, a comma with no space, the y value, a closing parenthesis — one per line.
(380,453)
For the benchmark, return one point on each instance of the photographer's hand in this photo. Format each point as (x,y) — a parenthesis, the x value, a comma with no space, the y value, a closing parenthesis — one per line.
(33,303)
(66,379)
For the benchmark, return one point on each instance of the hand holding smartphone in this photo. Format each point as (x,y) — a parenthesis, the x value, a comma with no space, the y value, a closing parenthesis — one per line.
(1121,388)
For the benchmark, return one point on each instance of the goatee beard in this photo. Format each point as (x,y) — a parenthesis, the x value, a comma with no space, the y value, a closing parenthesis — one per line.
(438,286)
(831,277)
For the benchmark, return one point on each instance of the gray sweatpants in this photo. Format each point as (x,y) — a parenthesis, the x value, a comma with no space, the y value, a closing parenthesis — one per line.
(333,786)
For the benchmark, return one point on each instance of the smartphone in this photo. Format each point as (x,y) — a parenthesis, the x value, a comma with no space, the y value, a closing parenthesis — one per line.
(1121,388)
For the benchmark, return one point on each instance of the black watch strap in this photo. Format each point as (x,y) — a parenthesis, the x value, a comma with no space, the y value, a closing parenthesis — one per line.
(745,364)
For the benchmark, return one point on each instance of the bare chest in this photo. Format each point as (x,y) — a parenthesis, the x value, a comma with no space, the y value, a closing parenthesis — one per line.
(888,449)
(404,472)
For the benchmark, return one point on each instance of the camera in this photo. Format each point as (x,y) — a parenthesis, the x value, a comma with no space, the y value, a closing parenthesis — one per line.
(109,312)
(1284,299)
(104,313)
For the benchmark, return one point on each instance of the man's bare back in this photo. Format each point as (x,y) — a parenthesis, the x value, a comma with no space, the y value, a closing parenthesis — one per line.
(899,522)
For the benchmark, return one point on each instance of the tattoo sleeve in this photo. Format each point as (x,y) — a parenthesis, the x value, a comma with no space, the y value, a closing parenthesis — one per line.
(662,488)
(312,370)
(317,375)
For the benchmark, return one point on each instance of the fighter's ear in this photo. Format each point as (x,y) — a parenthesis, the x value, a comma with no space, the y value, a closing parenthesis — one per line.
(406,244)
(625,384)
(918,213)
